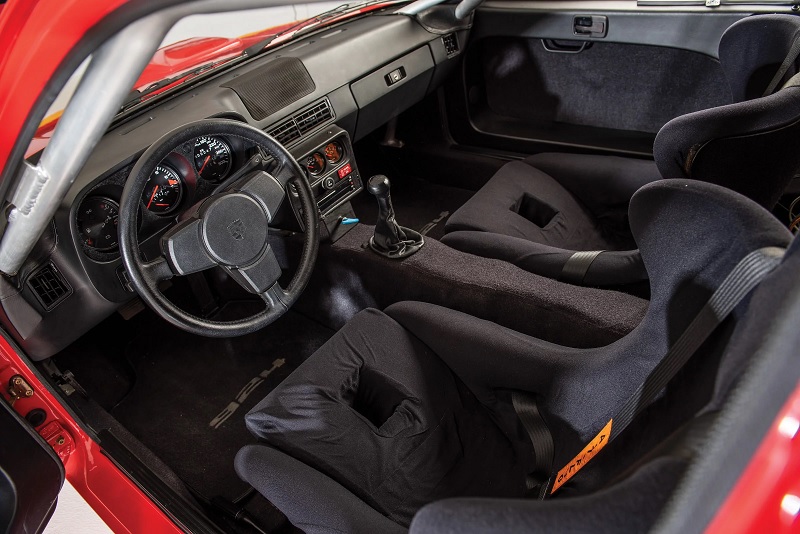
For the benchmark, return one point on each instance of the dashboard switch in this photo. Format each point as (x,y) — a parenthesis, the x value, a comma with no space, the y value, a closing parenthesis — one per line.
(328,183)
(344,171)
(395,76)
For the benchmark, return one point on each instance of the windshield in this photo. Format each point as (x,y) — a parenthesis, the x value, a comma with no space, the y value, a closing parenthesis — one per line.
(199,44)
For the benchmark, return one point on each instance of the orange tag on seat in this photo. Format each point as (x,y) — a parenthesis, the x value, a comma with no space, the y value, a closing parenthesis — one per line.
(583,457)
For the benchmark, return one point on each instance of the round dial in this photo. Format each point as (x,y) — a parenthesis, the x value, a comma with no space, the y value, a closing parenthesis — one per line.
(334,152)
(212,158)
(163,191)
(97,223)
(315,163)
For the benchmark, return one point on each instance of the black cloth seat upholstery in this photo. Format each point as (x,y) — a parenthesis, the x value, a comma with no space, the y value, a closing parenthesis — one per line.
(412,405)
(539,212)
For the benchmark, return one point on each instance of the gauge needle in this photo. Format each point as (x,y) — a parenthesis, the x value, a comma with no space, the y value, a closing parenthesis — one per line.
(205,162)
(155,189)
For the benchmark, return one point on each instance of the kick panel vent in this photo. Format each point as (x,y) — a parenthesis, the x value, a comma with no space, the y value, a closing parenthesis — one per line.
(271,88)
(302,122)
(450,42)
(49,286)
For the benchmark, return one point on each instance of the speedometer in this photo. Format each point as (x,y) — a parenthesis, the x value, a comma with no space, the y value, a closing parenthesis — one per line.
(163,191)
(212,158)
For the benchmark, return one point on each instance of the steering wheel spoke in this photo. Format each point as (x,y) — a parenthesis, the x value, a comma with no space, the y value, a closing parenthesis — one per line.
(184,249)
(276,297)
(158,270)
(261,275)
(267,189)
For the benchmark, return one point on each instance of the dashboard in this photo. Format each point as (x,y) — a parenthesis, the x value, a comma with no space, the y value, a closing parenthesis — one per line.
(316,96)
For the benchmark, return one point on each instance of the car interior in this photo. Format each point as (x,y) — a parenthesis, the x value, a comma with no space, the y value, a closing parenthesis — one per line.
(398,272)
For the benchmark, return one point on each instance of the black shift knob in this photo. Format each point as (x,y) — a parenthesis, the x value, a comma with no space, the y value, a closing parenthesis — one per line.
(379,186)
(390,239)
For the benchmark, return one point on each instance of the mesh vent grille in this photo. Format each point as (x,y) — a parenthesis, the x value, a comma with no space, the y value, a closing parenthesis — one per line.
(273,87)
(450,42)
(49,286)
(302,122)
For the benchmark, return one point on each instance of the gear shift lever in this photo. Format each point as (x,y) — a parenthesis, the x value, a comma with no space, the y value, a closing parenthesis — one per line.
(390,239)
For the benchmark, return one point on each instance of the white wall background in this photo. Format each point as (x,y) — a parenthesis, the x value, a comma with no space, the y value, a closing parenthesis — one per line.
(73,514)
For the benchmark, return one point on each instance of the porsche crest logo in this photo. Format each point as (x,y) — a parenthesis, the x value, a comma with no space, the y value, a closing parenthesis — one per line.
(236,229)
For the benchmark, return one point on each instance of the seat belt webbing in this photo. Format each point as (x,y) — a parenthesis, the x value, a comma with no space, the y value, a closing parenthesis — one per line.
(745,276)
(541,438)
(576,267)
(791,57)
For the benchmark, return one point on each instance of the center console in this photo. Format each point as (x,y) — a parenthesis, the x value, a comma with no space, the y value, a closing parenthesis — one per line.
(330,166)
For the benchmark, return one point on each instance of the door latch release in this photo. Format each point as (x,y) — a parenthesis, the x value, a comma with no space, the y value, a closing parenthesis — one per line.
(590,25)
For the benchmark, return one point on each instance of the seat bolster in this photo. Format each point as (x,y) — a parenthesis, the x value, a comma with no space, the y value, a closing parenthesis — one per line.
(611,268)
(329,508)
(683,138)
(631,506)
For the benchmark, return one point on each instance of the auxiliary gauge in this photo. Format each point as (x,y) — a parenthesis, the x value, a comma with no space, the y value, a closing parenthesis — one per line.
(97,219)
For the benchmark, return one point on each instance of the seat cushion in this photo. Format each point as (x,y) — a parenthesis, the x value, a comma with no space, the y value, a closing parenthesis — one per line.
(378,412)
(524,202)
(538,212)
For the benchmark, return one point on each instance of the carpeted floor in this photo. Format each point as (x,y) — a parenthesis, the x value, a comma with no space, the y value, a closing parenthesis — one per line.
(420,205)
(185,397)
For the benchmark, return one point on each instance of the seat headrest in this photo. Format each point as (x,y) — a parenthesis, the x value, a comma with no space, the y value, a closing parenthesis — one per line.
(751,50)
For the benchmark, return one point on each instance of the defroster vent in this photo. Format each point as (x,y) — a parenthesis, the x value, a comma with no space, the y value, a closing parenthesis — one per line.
(302,122)
(49,286)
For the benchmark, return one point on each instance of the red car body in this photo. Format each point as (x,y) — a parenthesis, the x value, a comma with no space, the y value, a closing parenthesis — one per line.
(37,40)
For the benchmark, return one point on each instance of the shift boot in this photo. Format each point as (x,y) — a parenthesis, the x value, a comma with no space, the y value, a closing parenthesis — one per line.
(390,239)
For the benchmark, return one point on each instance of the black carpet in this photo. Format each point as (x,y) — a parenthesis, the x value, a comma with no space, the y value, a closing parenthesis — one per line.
(418,204)
(167,386)
(350,277)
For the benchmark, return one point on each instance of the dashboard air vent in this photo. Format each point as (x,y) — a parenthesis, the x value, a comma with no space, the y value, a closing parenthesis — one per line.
(302,122)
(285,132)
(450,42)
(49,286)
(312,117)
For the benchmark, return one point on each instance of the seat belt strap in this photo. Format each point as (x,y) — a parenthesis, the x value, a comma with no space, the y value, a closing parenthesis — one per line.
(541,438)
(576,267)
(747,274)
(791,57)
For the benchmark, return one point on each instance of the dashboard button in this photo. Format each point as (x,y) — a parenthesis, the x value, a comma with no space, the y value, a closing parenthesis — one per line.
(329,182)
(344,171)
(395,76)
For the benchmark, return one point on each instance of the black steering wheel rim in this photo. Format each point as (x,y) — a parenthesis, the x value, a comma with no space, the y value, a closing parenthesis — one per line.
(145,276)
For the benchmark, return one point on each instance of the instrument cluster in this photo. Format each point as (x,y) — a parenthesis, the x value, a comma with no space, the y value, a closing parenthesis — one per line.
(187,174)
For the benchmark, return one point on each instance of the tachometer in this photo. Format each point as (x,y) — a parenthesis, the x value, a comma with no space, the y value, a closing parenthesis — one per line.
(163,191)
(212,158)
(97,219)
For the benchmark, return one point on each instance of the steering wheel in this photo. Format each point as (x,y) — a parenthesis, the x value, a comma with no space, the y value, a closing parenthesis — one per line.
(228,229)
